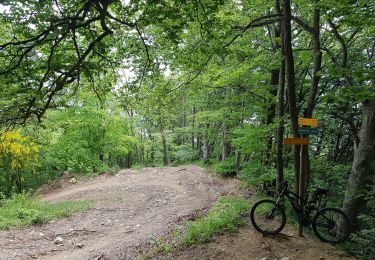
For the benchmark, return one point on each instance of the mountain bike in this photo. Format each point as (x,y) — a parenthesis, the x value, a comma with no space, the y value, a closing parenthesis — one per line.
(330,225)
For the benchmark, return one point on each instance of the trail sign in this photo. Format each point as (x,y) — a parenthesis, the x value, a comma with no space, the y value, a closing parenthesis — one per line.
(302,130)
(296,141)
(313,122)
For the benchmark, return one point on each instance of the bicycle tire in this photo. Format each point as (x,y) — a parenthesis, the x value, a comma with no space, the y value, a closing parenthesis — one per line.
(259,219)
(331,233)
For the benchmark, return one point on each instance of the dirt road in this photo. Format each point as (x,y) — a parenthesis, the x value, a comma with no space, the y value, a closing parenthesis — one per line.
(134,207)
(130,209)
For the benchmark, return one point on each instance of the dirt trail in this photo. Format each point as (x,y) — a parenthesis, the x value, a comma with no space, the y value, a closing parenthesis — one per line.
(134,207)
(249,244)
(130,209)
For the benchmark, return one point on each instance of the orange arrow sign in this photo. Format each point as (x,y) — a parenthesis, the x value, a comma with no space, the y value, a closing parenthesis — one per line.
(296,141)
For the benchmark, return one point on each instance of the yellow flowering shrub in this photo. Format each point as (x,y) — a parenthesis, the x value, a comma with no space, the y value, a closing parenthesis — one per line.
(17,155)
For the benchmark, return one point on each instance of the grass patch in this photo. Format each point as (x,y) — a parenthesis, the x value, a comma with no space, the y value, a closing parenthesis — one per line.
(225,215)
(23,209)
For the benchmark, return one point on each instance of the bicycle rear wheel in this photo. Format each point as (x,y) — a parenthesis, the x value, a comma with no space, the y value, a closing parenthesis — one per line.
(267,217)
(326,224)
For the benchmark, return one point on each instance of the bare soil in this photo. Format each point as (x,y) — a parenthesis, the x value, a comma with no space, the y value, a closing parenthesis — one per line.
(132,208)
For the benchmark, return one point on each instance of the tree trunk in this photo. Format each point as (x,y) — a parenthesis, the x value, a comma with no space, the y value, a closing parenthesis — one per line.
(183,125)
(193,128)
(274,81)
(166,160)
(225,144)
(290,79)
(314,86)
(205,147)
(280,114)
(363,170)
(238,161)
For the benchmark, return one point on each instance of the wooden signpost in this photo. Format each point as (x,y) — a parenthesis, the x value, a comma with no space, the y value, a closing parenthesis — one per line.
(307,126)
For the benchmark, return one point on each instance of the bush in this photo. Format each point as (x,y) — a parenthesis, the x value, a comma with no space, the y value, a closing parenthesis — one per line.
(226,168)
(332,176)
(183,154)
(255,174)
(362,242)
(19,159)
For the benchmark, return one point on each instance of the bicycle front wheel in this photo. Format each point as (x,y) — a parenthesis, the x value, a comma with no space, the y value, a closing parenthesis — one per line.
(331,225)
(267,217)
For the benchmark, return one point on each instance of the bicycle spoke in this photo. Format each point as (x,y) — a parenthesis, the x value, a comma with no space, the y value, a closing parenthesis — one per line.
(326,224)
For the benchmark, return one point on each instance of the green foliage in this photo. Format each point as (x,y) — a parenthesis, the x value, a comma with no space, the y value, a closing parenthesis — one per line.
(227,167)
(85,139)
(155,82)
(332,176)
(256,174)
(251,137)
(183,154)
(362,242)
(225,215)
(23,209)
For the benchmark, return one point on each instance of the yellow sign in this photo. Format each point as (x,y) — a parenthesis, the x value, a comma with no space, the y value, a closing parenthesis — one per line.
(296,141)
(313,122)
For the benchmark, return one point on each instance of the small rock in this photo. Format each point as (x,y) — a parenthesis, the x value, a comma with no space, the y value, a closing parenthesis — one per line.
(79,245)
(285,258)
(58,240)
(138,226)
(72,180)
(102,223)
(264,258)
(179,183)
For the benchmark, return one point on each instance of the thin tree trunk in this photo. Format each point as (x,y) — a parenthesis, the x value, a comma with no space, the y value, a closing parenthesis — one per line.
(183,141)
(205,147)
(280,114)
(224,142)
(166,160)
(238,161)
(193,128)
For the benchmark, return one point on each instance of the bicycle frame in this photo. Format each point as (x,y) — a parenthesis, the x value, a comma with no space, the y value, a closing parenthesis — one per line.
(294,201)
